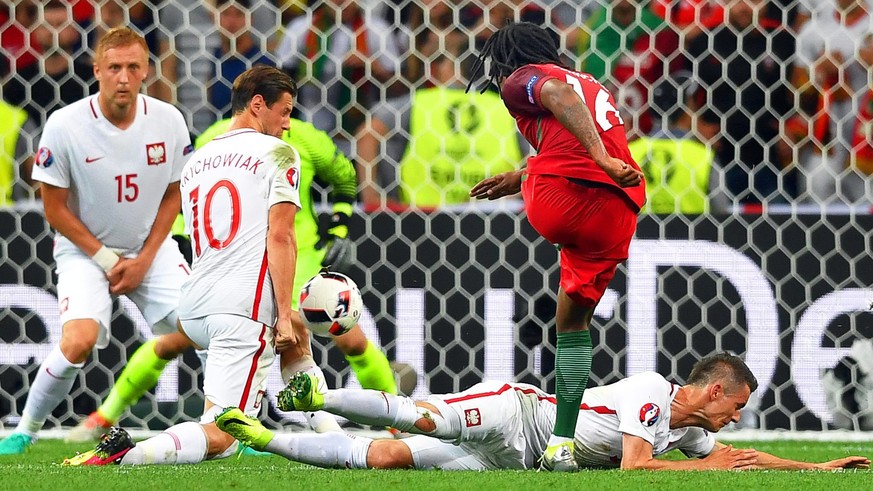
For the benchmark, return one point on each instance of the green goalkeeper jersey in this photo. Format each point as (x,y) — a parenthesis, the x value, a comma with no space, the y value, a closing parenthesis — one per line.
(320,157)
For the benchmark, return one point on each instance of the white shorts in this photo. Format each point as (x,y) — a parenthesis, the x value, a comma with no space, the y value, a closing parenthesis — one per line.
(498,422)
(240,354)
(83,290)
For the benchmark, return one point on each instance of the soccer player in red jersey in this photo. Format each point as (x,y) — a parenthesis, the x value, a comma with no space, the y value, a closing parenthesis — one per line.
(582,191)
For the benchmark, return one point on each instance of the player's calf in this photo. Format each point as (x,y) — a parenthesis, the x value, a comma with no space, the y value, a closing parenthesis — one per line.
(389,454)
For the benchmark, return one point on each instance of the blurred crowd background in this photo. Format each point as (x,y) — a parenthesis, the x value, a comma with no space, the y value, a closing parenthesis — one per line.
(729,104)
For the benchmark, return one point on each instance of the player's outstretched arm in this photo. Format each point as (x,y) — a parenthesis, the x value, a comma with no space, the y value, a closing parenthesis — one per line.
(335,169)
(768,461)
(638,454)
(569,109)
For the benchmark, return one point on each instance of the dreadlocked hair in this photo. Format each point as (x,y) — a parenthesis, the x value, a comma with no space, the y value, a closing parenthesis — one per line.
(513,46)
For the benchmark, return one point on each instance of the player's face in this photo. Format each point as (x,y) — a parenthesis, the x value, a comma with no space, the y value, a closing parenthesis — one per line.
(276,119)
(120,73)
(724,406)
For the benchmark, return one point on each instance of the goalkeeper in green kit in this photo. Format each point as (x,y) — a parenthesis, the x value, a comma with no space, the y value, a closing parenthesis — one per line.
(320,243)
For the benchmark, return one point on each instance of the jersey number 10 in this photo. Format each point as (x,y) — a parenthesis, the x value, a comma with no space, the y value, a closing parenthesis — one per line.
(208,231)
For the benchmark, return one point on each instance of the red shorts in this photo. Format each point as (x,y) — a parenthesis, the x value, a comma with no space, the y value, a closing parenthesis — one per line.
(593,225)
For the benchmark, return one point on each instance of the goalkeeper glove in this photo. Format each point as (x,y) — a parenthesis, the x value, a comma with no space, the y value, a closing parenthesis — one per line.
(333,234)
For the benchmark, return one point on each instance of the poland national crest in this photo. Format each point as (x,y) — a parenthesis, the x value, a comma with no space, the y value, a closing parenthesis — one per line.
(649,414)
(472,417)
(157,153)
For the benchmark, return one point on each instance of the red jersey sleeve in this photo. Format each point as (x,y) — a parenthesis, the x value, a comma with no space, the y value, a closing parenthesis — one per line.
(521,91)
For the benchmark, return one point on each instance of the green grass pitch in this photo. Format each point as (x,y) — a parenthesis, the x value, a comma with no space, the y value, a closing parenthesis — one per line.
(39,469)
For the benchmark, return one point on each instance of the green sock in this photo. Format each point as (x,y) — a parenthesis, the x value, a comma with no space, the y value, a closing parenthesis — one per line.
(141,374)
(572,363)
(372,369)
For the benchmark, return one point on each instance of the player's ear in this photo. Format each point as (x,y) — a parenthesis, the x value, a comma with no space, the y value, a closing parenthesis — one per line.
(715,391)
(257,103)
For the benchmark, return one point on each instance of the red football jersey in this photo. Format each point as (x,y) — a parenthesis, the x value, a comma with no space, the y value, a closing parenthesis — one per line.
(558,151)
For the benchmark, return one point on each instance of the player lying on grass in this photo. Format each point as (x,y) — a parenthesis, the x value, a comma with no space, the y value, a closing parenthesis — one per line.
(506,426)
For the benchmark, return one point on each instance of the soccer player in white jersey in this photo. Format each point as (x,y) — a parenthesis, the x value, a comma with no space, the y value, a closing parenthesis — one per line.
(240,193)
(506,426)
(109,166)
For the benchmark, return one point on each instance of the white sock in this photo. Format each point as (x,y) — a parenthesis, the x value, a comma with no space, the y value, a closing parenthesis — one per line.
(371,407)
(319,421)
(557,440)
(330,450)
(52,384)
(376,408)
(183,443)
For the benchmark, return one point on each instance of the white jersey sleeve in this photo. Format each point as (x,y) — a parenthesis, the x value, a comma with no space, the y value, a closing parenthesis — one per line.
(52,160)
(696,442)
(183,149)
(643,406)
(286,183)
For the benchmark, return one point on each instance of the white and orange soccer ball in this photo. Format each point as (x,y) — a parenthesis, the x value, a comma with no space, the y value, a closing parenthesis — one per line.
(330,304)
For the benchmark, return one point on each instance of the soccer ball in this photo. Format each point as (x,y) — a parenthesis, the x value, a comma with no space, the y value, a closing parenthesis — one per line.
(330,304)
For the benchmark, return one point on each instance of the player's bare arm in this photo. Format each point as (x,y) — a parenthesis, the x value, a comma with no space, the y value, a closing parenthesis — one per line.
(638,454)
(772,462)
(494,187)
(59,216)
(282,262)
(568,108)
(129,272)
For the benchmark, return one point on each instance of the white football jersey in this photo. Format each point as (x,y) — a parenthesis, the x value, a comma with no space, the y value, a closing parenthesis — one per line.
(116,178)
(638,405)
(228,187)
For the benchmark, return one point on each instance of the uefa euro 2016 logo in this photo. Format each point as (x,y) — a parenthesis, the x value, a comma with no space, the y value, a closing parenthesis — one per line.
(649,414)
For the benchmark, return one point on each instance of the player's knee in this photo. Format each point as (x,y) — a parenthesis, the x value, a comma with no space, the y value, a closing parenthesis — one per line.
(389,454)
(76,345)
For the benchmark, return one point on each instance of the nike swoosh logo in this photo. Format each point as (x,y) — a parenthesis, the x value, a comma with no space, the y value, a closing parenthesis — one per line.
(235,421)
(90,160)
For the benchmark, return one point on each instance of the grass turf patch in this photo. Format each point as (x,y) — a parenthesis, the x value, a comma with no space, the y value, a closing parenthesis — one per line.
(40,469)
